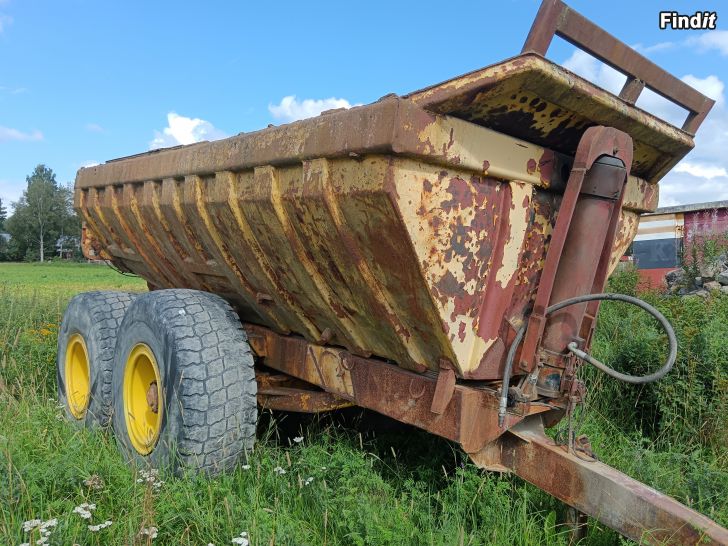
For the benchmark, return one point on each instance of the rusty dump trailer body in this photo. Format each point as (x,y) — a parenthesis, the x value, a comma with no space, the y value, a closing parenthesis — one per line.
(388,254)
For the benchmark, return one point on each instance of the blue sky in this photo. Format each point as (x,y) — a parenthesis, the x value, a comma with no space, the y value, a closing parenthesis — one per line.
(82,82)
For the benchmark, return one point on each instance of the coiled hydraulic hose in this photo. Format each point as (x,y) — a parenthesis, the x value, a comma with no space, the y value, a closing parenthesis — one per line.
(635,379)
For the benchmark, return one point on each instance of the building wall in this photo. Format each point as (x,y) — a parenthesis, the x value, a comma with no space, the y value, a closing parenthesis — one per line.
(703,224)
(663,239)
(658,241)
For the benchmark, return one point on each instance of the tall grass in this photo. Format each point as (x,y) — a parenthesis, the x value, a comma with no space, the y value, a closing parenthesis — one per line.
(374,481)
(688,408)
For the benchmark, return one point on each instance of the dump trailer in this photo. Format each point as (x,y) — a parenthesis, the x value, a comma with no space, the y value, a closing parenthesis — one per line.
(437,257)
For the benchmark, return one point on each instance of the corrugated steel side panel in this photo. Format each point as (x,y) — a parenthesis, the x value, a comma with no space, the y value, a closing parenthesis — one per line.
(415,237)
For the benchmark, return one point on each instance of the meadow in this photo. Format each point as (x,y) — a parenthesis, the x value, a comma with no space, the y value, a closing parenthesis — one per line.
(350,477)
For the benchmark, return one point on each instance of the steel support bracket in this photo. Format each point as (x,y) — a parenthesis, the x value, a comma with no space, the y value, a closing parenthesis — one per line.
(444,389)
(596,142)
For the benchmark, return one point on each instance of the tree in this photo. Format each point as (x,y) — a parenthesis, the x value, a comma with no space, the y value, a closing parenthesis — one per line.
(41,216)
(3,214)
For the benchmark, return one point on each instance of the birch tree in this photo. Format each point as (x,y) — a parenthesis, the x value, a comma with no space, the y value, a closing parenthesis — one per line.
(40,215)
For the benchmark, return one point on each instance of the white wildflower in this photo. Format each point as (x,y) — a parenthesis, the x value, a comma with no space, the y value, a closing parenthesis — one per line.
(245,467)
(279,470)
(242,540)
(151,532)
(150,477)
(44,527)
(298,439)
(84,510)
(31,524)
(39,523)
(100,526)
(308,480)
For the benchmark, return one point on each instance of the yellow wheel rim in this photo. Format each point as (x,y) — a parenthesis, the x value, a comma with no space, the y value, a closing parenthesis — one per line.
(143,403)
(78,376)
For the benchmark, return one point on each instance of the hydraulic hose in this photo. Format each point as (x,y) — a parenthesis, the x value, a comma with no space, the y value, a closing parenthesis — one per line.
(635,379)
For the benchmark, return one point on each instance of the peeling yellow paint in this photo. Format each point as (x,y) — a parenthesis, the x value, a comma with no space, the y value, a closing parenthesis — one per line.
(518,220)
(482,150)
(626,232)
(390,255)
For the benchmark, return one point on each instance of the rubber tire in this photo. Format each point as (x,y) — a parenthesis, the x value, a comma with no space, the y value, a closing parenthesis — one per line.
(207,380)
(96,316)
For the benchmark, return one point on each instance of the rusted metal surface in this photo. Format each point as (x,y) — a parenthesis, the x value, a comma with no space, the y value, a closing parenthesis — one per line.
(469,417)
(531,98)
(91,246)
(285,393)
(618,501)
(444,389)
(430,252)
(579,254)
(555,18)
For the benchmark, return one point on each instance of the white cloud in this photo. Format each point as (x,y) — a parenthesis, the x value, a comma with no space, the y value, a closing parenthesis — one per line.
(291,109)
(711,86)
(701,171)
(661,46)
(5,21)
(13,90)
(184,130)
(588,67)
(94,128)
(87,164)
(713,39)
(708,41)
(8,134)
(703,175)
(11,191)
(681,189)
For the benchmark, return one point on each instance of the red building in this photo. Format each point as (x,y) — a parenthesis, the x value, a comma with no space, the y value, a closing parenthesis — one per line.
(671,236)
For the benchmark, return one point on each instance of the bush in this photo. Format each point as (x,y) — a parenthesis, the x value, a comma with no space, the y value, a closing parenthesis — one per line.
(689,405)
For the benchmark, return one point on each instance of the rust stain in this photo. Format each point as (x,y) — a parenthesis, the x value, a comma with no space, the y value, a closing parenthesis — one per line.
(419,238)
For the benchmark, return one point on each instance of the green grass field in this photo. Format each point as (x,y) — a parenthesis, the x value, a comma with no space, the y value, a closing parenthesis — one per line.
(350,480)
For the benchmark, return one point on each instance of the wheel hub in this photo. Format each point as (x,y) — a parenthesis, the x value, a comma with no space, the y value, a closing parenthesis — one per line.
(142,399)
(78,376)
(153,397)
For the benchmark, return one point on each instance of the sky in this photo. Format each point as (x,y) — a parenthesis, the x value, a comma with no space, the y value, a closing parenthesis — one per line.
(82,81)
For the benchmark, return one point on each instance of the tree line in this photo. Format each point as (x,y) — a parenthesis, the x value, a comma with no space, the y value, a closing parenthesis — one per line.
(43,224)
